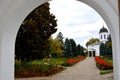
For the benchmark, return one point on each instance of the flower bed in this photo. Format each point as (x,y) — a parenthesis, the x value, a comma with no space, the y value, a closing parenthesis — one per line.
(36,70)
(42,68)
(101,64)
(73,61)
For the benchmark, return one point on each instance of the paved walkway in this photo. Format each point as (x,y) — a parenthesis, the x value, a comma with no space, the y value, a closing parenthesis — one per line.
(84,70)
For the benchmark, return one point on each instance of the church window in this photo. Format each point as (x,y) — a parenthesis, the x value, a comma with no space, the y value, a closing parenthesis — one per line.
(104,36)
(101,36)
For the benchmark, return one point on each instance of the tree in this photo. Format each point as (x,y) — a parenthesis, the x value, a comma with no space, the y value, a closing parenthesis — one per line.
(73,47)
(92,40)
(55,48)
(106,49)
(109,47)
(67,48)
(32,39)
(102,49)
(60,37)
(80,50)
(109,42)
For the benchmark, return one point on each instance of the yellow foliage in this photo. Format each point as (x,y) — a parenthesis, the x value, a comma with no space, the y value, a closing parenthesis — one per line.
(55,46)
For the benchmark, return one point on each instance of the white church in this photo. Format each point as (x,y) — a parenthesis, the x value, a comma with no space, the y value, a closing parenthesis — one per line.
(93,49)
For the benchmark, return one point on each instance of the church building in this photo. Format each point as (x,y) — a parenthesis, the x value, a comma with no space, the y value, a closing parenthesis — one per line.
(93,49)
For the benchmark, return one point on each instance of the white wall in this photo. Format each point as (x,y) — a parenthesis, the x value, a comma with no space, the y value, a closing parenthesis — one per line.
(95,48)
(13,12)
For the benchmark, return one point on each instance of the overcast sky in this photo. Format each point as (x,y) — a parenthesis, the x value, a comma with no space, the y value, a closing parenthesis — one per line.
(76,20)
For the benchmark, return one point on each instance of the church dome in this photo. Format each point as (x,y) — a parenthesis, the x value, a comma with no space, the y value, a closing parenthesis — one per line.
(103,30)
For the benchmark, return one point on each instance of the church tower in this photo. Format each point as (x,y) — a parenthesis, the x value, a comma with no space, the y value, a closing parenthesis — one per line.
(103,34)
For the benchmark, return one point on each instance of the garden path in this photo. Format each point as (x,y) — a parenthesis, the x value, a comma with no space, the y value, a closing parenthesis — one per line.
(84,70)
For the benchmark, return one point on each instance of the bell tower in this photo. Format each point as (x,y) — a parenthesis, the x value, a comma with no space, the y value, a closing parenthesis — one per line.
(103,34)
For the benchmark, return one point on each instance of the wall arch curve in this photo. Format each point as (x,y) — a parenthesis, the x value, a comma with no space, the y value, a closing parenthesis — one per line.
(13,12)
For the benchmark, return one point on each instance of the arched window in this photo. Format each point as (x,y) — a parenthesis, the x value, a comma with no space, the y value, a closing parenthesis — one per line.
(104,36)
(101,36)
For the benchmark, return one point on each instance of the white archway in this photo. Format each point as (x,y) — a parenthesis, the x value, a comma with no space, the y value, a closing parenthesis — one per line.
(13,12)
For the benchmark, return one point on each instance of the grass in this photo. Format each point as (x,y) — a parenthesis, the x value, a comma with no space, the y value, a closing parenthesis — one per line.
(55,61)
(102,72)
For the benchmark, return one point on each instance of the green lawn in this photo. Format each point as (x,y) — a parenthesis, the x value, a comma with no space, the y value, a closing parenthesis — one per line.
(102,72)
(55,61)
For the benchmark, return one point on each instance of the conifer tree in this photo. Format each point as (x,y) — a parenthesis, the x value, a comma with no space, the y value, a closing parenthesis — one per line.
(32,39)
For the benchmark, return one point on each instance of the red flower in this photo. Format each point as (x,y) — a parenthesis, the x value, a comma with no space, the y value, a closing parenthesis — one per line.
(102,62)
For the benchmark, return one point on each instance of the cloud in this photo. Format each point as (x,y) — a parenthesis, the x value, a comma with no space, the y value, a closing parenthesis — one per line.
(76,20)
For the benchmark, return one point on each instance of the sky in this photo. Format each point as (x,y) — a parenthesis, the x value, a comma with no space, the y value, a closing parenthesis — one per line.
(76,20)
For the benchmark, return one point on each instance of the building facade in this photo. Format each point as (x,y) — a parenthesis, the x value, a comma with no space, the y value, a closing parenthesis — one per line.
(93,49)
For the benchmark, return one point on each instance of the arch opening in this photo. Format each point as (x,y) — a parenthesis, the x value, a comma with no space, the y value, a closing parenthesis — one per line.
(93,53)
(16,14)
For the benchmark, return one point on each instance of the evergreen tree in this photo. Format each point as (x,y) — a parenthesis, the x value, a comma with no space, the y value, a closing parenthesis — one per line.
(60,37)
(73,48)
(102,49)
(67,48)
(32,39)
(78,49)
(109,47)
(82,51)
(106,49)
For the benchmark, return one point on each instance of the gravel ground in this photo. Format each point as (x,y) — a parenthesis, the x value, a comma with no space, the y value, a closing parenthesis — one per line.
(84,70)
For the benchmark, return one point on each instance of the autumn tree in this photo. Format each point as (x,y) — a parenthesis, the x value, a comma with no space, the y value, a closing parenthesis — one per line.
(55,48)
(32,39)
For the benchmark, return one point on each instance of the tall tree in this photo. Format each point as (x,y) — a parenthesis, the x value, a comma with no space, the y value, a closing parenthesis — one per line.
(32,39)
(55,48)
(80,50)
(109,47)
(73,47)
(60,37)
(102,49)
(106,49)
(67,48)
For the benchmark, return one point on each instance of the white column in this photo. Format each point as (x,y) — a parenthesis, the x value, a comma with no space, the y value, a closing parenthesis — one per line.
(12,13)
